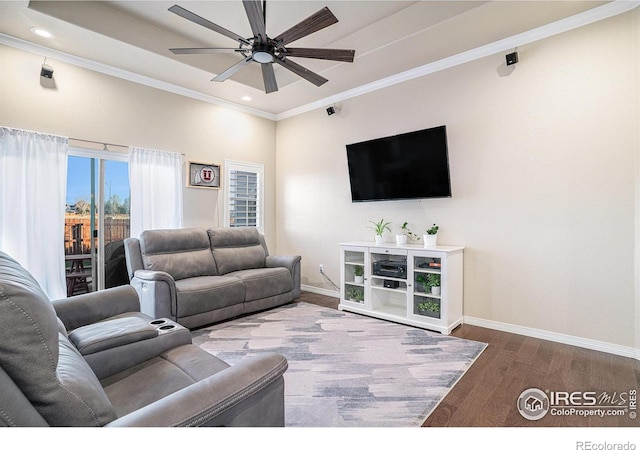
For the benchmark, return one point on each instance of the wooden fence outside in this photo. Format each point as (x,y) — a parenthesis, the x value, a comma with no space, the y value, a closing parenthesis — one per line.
(77,232)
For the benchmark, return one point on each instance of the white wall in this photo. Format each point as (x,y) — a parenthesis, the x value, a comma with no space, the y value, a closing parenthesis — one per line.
(88,105)
(543,166)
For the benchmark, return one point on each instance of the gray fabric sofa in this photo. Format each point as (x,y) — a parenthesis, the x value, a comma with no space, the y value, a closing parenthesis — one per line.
(198,277)
(96,360)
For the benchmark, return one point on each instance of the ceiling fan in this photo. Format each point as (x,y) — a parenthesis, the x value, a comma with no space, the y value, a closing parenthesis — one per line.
(262,49)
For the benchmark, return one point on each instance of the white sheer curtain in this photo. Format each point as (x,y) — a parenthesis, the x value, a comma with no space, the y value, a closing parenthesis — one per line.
(155,179)
(33,178)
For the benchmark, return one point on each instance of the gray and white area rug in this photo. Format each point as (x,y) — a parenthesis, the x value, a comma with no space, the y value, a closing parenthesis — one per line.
(347,370)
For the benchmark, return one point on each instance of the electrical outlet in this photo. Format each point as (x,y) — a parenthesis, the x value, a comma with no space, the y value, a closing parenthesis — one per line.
(321,268)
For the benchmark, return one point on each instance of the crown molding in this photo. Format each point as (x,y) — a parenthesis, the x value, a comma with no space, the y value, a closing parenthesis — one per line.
(106,69)
(599,13)
(602,12)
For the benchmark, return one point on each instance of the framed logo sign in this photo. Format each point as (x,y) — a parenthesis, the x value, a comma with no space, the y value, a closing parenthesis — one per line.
(204,175)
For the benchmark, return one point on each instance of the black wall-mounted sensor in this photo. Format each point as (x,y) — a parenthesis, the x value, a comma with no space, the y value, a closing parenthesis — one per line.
(46,71)
(512,58)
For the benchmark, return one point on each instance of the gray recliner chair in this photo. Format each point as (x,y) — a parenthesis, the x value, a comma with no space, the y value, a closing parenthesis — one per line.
(95,360)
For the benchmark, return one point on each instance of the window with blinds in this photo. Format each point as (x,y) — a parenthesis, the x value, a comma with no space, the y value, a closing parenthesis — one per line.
(243,195)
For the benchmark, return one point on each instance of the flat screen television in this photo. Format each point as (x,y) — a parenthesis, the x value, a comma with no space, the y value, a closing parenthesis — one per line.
(406,166)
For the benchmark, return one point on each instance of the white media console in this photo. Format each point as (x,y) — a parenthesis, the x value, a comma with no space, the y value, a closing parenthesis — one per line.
(393,281)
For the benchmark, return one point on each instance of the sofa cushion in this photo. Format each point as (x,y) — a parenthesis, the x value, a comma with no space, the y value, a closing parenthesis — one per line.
(264,283)
(156,378)
(40,359)
(236,249)
(202,294)
(182,253)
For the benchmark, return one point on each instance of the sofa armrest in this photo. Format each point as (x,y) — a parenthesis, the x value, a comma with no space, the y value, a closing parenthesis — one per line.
(157,292)
(283,261)
(101,336)
(93,307)
(291,262)
(251,393)
(153,275)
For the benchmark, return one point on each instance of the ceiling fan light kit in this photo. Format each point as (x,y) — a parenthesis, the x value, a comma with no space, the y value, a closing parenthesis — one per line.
(263,54)
(264,50)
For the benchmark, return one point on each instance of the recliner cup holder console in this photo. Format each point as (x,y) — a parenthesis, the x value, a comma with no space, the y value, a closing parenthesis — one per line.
(164,325)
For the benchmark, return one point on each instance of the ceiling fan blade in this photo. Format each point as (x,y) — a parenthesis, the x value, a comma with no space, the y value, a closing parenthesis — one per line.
(302,71)
(269,77)
(204,51)
(311,24)
(256,19)
(207,24)
(333,54)
(233,69)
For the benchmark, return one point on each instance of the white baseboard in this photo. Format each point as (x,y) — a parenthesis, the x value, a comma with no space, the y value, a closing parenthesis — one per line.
(592,344)
(321,291)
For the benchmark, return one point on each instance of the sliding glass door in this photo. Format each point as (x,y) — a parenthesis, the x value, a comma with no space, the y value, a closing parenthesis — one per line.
(96,220)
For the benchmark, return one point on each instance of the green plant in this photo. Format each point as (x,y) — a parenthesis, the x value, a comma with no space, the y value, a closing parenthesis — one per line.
(433,229)
(358,271)
(433,279)
(355,294)
(380,227)
(429,306)
(405,230)
(428,280)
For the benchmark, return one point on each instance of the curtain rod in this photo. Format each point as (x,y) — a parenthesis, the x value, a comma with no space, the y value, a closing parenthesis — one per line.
(105,144)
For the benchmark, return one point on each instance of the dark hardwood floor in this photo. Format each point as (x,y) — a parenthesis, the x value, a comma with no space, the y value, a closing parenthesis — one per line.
(487,394)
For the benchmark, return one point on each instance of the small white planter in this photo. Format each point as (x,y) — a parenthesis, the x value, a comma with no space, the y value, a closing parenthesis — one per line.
(358,279)
(379,240)
(430,240)
(435,290)
(401,239)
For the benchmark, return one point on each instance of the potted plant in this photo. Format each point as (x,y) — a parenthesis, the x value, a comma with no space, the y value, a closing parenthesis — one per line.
(358,272)
(405,233)
(431,238)
(429,308)
(355,294)
(433,281)
(379,228)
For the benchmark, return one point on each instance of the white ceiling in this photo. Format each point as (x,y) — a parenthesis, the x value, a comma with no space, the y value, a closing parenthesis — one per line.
(131,39)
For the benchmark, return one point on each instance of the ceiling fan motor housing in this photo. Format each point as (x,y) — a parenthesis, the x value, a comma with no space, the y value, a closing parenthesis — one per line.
(263,53)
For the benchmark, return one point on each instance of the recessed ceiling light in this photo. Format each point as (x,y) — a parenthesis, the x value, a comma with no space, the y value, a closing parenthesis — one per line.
(43,33)
(246,98)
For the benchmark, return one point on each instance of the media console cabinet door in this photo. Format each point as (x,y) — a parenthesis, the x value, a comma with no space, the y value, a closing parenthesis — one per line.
(406,284)
(354,276)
